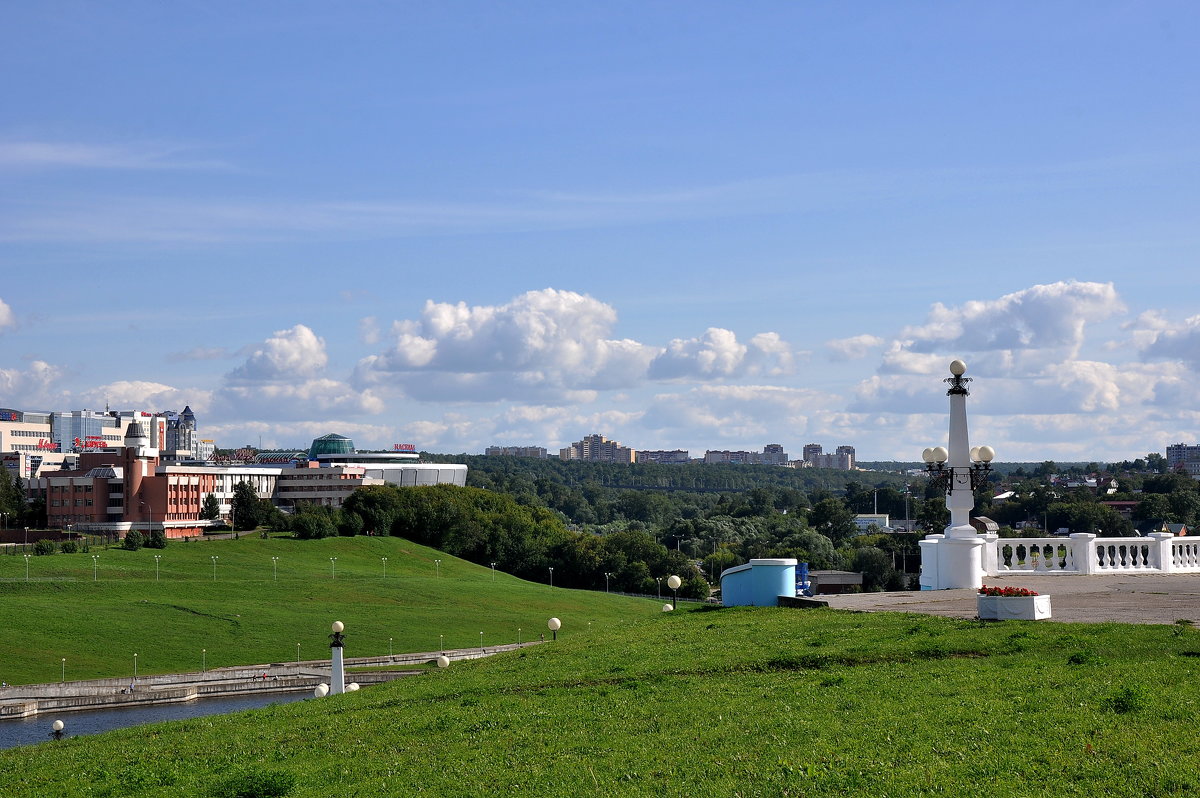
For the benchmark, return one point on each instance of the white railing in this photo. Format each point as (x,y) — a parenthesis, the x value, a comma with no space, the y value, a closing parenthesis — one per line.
(1087,554)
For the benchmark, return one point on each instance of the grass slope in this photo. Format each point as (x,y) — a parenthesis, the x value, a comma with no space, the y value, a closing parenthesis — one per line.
(245,616)
(737,702)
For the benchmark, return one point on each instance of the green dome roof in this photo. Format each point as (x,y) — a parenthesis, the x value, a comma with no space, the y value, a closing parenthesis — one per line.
(330,444)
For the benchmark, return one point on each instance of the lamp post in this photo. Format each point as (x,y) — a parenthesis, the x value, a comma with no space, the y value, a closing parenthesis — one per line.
(518,635)
(481,641)
(95,565)
(26,567)
(135,666)
(554,624)
(906,494)
(389,646)
(214,559)
(157,557)
(275,568)
(658,579)
(337,641)
(674,582)
(149,518)
(438,565)
(204,660)
(384,566)
(551,576)
(64,670)
(493,572)
(333,567)
(606,576)
(441,643)
(297,654)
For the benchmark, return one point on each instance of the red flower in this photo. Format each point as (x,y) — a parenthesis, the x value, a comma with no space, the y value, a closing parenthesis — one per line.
(1006,591)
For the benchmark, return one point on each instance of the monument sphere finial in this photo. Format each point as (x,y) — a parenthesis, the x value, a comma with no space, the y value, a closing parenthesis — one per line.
(958,368)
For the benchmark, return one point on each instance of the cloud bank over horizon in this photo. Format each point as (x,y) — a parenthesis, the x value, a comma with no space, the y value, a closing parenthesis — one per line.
(1053,365)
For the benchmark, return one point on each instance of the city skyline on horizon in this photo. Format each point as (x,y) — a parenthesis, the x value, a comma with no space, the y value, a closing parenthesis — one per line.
(683,225)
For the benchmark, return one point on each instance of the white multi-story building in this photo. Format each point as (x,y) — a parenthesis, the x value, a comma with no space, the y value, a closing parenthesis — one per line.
(842,458)
(597,448)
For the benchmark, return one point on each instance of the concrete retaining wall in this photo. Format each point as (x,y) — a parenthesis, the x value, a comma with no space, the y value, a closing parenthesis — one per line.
(19,701)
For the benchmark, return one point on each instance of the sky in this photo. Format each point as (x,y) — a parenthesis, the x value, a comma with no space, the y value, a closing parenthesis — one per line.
(683,225)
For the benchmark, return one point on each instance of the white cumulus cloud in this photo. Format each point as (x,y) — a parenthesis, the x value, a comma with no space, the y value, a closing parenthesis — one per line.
(1160,339)
(853,348)
(559,340)
(7,319)
(1040,317)
(144,395)
(718,354)
(291,353)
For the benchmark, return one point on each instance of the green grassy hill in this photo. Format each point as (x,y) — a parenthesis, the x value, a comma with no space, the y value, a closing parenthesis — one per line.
(732,702)
(246,616)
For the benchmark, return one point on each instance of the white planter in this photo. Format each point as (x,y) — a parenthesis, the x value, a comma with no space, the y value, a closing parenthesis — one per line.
(1014,608)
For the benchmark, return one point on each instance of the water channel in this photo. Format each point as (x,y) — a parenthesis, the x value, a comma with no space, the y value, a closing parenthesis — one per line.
(36,729)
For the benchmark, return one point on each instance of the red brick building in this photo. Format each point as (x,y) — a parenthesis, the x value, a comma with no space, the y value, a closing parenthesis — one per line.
(117,490)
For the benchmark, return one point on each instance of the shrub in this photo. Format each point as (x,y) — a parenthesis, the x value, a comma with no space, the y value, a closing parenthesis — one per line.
(44,546)
(68,547)
(157,539)
(133,540)
(257,784)
(312,526)
(351,525)
(1126,700)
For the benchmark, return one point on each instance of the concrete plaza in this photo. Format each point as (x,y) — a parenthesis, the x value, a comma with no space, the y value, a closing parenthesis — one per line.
(1123,598)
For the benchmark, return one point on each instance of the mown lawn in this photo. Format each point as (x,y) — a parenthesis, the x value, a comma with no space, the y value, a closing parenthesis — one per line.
(737,702)
(246,616)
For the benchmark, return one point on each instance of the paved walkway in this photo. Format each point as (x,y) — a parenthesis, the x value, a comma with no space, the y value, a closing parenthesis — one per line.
(1125,598)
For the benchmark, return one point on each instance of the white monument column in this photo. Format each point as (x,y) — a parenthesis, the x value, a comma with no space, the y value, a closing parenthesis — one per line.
(958,559)
(337,676)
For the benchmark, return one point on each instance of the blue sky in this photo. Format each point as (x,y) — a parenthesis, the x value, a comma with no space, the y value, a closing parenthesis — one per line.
(683,225)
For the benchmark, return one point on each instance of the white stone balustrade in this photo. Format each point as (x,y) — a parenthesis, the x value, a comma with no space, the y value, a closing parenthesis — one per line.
(1084,554)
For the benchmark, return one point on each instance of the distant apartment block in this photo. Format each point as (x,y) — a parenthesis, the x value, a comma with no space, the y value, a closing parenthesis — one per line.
(1186,457)
(772,454)
(516,451)
(841,459)
(672,457)
(597,448)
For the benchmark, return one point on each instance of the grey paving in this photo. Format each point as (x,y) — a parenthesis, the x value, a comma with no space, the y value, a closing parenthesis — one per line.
(1128,598)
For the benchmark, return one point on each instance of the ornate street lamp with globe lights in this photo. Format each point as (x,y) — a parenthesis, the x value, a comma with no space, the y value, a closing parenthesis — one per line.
(674,582)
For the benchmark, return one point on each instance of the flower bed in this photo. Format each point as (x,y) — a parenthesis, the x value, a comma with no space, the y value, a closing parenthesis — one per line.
(1007,592)
(1012,603)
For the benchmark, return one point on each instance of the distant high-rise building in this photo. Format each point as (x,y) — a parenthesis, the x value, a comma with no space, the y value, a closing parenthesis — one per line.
(672,457)
(842,458)
(597,448)
(1179,454)
(516,451)
(772,454)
